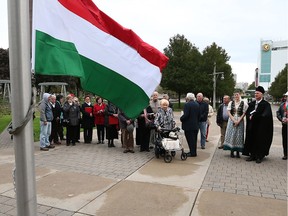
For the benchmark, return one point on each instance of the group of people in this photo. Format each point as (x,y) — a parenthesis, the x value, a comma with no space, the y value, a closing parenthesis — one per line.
(109,119)
(196,117)
(259,126)
(55,113)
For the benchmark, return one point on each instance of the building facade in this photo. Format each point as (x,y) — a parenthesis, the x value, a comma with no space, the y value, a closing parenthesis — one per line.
(273,58)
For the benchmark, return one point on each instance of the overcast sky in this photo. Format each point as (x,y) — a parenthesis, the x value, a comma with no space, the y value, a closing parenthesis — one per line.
(237,26)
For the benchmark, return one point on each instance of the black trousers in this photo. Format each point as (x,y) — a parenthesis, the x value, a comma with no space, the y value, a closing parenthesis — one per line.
(54,132)
(100,132)
(191,137)
(88,133)
(143,137)
(284,138)
(71,135)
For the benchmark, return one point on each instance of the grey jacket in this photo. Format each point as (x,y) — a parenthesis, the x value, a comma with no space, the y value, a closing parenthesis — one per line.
(72,113)
(45,109)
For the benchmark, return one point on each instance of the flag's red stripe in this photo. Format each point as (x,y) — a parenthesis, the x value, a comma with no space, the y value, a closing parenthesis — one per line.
(90,12)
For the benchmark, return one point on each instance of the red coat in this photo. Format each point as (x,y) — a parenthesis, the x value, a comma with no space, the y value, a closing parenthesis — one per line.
(99,113)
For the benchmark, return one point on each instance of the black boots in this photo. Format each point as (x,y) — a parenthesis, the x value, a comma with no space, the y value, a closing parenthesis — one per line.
(110,143)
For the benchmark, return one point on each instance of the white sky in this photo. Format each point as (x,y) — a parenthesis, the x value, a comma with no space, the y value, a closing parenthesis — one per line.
(235,25)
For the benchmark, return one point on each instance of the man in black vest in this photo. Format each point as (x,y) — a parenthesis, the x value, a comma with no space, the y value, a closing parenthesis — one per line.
(222,118)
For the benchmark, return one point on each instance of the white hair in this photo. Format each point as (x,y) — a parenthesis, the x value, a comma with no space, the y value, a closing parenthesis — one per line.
(190,96)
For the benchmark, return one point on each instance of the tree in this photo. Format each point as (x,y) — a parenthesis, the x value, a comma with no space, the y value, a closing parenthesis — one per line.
(4,64)
(184,60)
(252,86)
(279,85)
(215,54)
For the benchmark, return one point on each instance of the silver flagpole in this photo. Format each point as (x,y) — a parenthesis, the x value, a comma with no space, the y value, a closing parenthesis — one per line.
(20,77)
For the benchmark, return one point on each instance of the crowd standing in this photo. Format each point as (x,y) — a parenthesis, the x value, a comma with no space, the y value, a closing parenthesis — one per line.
(110,122)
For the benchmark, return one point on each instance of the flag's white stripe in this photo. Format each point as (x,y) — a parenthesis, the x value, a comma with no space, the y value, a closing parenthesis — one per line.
(52,18)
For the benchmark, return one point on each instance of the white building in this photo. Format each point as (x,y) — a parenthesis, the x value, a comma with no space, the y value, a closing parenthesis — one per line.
(242,85)
(273,58)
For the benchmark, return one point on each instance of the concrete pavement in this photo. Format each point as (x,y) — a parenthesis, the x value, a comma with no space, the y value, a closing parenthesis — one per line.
(97,180)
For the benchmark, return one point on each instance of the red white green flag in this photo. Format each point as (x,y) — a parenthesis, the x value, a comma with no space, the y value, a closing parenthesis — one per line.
(75,38)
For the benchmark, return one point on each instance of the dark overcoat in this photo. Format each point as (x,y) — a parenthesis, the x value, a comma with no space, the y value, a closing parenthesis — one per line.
(259,129)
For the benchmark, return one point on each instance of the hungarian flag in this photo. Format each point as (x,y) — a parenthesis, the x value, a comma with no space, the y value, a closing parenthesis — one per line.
(75,38)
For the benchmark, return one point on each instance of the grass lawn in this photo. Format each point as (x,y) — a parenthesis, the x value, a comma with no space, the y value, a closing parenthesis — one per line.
(4,121)
(36,128)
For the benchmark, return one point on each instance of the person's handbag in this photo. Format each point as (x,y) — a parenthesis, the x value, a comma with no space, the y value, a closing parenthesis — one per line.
(65,122)
(113,120)
(130,128)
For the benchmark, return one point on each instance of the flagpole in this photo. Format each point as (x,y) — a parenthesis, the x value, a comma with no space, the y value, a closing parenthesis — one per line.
(20,78)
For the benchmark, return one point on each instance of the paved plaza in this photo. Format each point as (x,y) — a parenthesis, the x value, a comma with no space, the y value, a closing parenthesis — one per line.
(91,179)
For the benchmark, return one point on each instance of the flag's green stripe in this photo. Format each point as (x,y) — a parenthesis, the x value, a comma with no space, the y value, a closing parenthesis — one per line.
(114,87)
(55,57)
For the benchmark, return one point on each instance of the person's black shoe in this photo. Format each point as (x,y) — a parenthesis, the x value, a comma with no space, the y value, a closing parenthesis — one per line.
(99,142)
(73,144)
(191,155)
(102,142)
(232,154)
(220,147)
(250,159)
(142,150)
(284,158)
(258,160)
(44,149)
(50,146)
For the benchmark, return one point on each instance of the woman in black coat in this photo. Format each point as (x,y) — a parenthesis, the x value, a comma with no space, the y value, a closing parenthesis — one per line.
(143,128)
(87,119)
(111,123)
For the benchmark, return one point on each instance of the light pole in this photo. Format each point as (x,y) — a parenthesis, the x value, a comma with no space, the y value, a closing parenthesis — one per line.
(214,84)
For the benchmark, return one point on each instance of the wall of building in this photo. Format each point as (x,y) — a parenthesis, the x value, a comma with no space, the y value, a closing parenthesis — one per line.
(273,57)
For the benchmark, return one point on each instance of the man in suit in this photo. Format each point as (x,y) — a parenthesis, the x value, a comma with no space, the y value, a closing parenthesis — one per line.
(222,118)
(190,123)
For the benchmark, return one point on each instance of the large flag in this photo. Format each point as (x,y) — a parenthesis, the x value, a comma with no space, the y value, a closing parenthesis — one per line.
(75,38)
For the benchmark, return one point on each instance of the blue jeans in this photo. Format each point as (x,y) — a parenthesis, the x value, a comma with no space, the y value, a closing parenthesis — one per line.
(45,131)
(202,128)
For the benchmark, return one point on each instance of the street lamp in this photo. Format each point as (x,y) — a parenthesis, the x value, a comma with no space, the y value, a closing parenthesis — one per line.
(214,84)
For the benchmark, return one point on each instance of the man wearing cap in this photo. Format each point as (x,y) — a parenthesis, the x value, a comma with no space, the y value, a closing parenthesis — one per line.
(259,128)
(282,115)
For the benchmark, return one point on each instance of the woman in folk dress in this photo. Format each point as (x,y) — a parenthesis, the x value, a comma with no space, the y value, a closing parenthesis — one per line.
(234,137)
